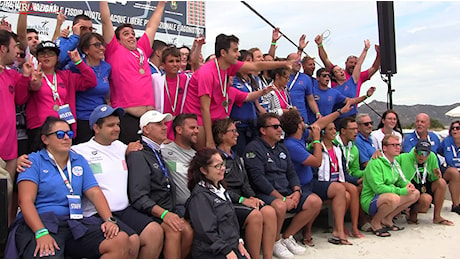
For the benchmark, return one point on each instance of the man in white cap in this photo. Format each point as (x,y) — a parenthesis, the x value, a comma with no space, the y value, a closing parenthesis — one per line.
(150,188)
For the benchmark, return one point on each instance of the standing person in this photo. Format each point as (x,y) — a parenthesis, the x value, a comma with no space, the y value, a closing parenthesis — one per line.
(258,219)
(12,85)
(363,140)
(51,221)
(450,150)
(388,125)
(210,209)
(130,81)
(209,95)
(420,166)
(386,191)
(179,153)
(57,96)
(184,58)
(274,179)
(151,190)
(93,46)
(421,132)
(350,64)
(279,100)
(155,58)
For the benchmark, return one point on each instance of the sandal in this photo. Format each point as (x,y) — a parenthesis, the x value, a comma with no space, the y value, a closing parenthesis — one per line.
(445,222)
(308,241)
(393,228)
(383,232)
(339,241)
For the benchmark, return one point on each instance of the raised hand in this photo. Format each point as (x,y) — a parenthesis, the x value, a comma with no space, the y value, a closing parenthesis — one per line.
(276,35)
(302,42)
(74,55)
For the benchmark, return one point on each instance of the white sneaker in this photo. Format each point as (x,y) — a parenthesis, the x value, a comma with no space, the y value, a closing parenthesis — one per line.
(292,245)
(281,251)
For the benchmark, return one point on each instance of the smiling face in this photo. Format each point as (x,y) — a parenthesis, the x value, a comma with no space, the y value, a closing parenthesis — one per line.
(32,41)
(339,73)
(48,58)
(309,67)
(189,131)
(109,131)
(230,137)
(330,132)
(215,171)
(128,38)
(422,123)
(53,143)
(96,49)
(390,120)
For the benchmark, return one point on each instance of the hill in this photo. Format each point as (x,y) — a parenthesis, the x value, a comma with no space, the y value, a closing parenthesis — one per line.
(407,114)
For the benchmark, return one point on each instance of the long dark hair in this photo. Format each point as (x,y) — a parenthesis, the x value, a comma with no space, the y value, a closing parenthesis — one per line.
(239,76)
(201,159)
(398,123)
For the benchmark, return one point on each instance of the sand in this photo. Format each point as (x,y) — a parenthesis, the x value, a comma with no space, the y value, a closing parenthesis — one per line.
(425,240)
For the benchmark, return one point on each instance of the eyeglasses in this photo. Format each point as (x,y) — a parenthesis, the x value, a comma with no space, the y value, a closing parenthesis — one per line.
(423,153)
(325,75)
(97,44)
(368,123)
(274,126)
(84,28)
(21,55)
(219,166)
(394,145)
(455,128)
(61,134)
(234,131)
(46,53)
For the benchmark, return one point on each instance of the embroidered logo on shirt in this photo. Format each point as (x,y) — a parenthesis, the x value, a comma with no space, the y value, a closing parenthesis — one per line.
(282,155)
(77,170)
(250,155)
(155,165)
(11,89)
(94,152)
(217,201)
(45,170)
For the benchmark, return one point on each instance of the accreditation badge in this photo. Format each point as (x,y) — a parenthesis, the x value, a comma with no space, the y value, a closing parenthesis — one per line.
(76,212)
(66,114)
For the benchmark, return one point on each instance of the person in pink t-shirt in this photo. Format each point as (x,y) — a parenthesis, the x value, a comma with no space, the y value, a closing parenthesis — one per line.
(209,94)
(350,64)
(130,81)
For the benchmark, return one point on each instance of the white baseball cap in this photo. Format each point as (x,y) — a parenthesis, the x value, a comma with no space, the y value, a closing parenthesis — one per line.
(153,116)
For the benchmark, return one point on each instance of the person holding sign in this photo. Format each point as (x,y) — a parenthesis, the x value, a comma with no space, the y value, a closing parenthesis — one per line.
(51,221)
(130,81)
(57,95)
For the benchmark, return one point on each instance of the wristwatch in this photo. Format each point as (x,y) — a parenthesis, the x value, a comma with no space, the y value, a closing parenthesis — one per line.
(111,219)
(340,111)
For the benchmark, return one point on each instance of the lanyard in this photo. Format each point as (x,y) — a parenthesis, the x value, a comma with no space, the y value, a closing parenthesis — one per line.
(454,151)
(293,81)
(248,86)
(173,106)
(330,159)
(347,152)
(163,168)
(53,87)
(395,165)
(422,178)
(153,65)
(223,88)
(288,104)
(141,59)
(427,135)
(67,182)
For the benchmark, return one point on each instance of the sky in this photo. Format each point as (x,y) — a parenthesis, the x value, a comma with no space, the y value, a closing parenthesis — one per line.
(426,38)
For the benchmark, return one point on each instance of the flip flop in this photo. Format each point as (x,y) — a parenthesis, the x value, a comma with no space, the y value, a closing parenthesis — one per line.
(308,242)
(339,241)
(393,228)
(383,232)
(445,222)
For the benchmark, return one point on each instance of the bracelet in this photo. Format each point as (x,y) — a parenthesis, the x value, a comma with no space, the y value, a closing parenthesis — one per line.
(284,198)
(318,113)
(274,43)
(41,232)
(316,142)
(367,96)
(320,45)
(241,200)
(164,214)
(78,62)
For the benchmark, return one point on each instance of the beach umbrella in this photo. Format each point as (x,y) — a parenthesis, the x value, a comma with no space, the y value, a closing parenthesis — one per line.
(453,112)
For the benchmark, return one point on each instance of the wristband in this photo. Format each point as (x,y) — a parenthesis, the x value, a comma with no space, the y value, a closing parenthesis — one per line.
(284,198)
(274,43)
(318,113)
(41,232)
(320,45)
(241,200)
(78,62)
(316,142)
(164,214)
(367,96)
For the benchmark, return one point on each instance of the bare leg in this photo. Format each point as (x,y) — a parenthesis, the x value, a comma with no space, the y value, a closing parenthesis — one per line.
(269,231)
(280,210)
(439,189)
(310,210)
(315,202)
(422,206)
(254,225)
(337,193)
(386,204)
(151,240)
(186,240)
(354,207)
(134,244)
(404,202)
(453,177)
(116,247)
(172,245)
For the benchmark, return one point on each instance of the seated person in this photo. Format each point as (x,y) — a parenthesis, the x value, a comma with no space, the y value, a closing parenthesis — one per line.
(420,166)
(386,191)
(274,180)
(210,209)
(51,221)
(250,210)
(150,189)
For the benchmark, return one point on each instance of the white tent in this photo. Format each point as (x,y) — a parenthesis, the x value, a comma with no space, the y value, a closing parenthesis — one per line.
(453,112)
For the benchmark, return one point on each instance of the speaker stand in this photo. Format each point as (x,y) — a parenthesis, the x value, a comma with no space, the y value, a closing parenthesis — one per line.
(387,79)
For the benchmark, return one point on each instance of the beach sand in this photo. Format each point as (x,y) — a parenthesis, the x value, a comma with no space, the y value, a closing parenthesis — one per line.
(422,241)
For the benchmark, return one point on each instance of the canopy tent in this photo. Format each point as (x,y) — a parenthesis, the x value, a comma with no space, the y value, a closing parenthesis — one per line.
(453,112)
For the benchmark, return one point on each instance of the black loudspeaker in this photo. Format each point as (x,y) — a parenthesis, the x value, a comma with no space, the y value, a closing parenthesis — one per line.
(386,22)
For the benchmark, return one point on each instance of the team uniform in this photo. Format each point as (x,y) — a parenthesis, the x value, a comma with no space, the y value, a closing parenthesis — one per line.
(351,154)
(299,87)
(326,100)
(363,77)
(348,89)
(365,147)
(451,152)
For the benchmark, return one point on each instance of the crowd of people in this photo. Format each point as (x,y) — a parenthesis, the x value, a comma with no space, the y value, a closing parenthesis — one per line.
(134,148)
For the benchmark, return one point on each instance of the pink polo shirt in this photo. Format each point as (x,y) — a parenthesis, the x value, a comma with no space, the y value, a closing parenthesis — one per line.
(169,101)
(205,81)
(128,87)
(11,82)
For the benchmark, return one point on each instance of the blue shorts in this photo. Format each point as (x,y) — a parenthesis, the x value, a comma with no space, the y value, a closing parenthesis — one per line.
(373,206)
(321,188)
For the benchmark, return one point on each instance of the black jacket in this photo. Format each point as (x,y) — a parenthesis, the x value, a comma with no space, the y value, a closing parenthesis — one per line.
(214,222)
(236,177)
(147,184)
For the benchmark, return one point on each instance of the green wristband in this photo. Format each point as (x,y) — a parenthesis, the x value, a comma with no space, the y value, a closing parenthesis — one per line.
(43,233)
(284,198)
(78,62)
(274,43)
(164,214)
(367,96)
(241,200)
(320,45)
(316,142)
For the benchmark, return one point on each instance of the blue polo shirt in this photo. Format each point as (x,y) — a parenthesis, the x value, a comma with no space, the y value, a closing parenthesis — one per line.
(365,147)
(410,140)
(451,152)
(247,111)
(348,89)
(300,86)
(51,191)
(326,100)
(299,154)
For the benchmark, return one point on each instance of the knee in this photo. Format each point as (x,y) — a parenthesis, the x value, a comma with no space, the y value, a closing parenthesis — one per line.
(152,233)
(279,206)
(336,190)
(134,244)
(314,202)
(415,195)
(119,245)
(268,214)
(392,200)
(425,200)
(439,184)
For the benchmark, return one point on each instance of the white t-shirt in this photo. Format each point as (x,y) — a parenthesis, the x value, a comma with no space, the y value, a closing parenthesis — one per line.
(110,170)
(378,135)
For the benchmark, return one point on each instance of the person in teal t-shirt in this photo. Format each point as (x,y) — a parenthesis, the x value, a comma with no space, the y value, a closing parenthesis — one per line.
(420,166)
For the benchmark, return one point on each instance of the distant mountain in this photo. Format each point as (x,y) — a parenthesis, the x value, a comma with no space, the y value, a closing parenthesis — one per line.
(407,114)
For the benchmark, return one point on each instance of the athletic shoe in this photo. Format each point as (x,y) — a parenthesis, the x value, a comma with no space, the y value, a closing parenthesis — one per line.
(292,245)
(281,251)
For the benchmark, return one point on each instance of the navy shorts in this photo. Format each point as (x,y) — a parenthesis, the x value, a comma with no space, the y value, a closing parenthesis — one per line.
(134,219)
(321,188)
(373,206)
(242,213)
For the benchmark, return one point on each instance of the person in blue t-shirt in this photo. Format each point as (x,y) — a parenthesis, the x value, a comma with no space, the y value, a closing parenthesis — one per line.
(51,221)
(422,124)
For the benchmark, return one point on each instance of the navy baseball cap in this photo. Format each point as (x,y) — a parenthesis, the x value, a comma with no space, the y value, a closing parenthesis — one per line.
(104,111)
(423,145)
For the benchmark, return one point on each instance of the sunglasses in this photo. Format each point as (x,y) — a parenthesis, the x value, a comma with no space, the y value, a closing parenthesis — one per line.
(97,44)
(48,53)
(455,128)
(325,75)
(61,134)
(219,166)
(274,126)
(368,123)
(423,153)
(21,55)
